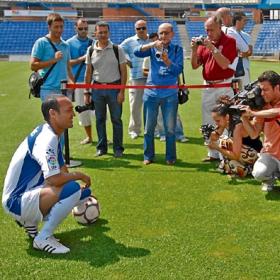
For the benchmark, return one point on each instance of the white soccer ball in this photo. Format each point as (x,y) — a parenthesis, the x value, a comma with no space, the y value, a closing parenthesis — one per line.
(88,212)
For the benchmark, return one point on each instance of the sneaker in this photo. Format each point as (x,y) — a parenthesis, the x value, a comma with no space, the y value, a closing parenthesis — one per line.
(162,139)
(266,187)
(31,230)
(170,162)
(183,139)
(133,135)
(86,141)
(50,245)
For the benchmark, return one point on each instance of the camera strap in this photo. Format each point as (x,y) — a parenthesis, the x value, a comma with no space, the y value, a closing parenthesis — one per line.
(50,70)
(82,64)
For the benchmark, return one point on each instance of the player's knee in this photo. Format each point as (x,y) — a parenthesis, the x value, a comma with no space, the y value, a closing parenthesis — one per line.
(85,193)
(69,189)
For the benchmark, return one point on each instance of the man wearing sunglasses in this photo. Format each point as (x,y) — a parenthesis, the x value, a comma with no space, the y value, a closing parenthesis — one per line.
(136,76)
(78,48)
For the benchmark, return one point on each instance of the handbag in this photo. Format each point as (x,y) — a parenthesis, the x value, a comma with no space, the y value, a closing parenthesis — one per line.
(35,81)
(183,94)
(239,68)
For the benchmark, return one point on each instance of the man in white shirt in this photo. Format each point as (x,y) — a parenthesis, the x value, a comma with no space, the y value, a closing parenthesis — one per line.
(243,43)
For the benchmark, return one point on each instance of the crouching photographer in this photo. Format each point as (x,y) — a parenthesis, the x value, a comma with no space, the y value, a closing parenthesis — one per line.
(267,167)
(229,137)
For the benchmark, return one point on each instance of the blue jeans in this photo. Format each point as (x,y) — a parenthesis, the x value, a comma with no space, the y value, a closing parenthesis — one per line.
(169,108)
(101,99)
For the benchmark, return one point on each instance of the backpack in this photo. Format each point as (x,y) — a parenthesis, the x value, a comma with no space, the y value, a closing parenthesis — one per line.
(116,52)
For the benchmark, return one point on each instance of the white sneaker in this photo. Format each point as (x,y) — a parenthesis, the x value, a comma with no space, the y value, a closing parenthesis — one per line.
(133,135)
(266,187)
(50,245)
(183,139)
(162,139)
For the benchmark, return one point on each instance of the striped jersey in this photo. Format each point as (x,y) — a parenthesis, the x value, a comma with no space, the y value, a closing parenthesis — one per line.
(38,157)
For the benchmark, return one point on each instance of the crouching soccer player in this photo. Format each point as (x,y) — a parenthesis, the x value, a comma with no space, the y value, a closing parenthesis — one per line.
(38,186)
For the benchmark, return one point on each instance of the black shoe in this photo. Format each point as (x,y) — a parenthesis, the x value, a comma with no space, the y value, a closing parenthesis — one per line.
(100,153)
(118,154)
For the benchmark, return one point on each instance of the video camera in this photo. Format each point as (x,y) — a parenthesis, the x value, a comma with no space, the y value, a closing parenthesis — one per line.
(86,107)
(250,96)
(206,130)
(199,40)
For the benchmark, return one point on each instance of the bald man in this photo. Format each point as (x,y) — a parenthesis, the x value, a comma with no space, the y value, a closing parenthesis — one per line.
(166,65)
(136,76)
(38,186)
(224,14)
(215,55)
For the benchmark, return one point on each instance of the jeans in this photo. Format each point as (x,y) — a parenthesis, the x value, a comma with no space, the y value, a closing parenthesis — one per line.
(179,131)
(101,99)
(169,108)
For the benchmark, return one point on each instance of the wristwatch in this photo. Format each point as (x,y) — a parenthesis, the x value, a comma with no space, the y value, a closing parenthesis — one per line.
(215,51)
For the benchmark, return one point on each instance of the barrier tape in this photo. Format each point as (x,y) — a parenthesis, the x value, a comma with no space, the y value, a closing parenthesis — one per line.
(112,86)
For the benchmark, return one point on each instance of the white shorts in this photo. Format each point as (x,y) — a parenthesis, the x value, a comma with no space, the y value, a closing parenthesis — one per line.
(30,210)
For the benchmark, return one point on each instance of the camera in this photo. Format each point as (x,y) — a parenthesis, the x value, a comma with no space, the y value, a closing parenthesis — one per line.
(199,40)
(159,53)
(86,107)
(206,130)
(250,96)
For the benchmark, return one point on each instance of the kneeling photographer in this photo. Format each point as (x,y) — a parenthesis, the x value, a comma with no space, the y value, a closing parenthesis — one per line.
(239,151)
(267,167)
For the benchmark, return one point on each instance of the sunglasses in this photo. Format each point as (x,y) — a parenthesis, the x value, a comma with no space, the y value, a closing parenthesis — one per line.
(83,28)
(141,28)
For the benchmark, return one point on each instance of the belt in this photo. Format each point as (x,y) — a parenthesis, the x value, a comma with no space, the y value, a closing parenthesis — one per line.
(217,81)
(118,82)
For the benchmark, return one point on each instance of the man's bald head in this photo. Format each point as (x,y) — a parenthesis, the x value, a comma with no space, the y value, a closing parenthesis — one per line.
(166,25)
(225,15)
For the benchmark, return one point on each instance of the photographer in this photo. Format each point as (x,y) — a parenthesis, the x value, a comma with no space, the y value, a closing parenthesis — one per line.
(238,149)
(215,54)
(166,65)
(267,167)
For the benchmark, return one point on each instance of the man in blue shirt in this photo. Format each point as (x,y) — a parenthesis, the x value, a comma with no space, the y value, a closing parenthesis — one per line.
(136,76)
(166,66)
(43,56)
(78,47)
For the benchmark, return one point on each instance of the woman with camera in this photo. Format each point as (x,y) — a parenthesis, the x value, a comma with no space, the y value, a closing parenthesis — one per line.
(239,151)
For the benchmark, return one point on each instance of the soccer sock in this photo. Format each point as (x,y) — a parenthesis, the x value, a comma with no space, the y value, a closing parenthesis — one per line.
(85,194)
(69,197)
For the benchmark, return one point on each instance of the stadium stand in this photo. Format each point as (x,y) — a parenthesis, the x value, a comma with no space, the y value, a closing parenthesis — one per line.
(19,37)
(268,40)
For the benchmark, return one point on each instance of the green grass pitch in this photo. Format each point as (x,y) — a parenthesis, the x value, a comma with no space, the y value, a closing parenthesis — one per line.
(158,222)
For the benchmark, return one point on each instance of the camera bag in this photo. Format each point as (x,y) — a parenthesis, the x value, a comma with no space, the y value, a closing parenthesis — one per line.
(239,72)
(183,94)
(36,81)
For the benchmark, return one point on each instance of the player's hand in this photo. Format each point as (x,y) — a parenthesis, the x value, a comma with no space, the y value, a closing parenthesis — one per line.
(86,179)
(58,55)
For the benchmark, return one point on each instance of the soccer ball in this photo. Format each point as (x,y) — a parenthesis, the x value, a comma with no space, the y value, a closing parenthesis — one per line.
(88,212)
